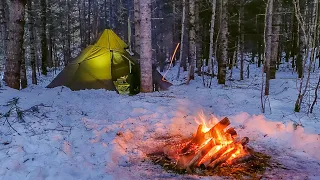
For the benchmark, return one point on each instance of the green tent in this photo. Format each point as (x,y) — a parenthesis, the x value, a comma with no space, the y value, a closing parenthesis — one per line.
(98,65)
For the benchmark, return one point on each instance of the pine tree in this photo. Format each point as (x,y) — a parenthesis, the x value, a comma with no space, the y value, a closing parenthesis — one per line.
(15,42)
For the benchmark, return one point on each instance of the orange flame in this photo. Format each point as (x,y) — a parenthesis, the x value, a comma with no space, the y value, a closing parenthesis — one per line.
(222,138)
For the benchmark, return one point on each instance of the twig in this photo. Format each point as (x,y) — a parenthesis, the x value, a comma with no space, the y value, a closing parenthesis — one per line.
(316,96)
(61,150)
(61,130)
(11,126)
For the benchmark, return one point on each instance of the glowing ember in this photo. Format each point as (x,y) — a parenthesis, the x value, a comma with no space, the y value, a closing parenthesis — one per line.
(211,146)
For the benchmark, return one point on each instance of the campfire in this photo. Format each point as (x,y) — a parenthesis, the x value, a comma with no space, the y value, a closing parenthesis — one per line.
(210,148)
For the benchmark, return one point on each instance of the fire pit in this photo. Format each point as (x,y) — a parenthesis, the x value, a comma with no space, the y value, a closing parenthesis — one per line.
(212,151)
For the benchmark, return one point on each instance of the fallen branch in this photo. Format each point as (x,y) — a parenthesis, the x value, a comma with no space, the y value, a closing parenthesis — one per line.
(12,126)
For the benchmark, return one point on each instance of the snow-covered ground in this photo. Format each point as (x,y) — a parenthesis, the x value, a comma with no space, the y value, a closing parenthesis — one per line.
(96,134)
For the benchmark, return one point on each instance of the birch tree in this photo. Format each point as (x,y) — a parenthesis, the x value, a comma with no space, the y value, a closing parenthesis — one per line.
(211,58)
(192,40)
(146,46)
(183,28)
(15,42)
(306,35)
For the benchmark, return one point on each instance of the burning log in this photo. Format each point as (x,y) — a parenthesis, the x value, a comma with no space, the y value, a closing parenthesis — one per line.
(208,147)
(222,158)
(224,150)
(241,159)
(218,128)
(201,136)
(232,132)
(201,153)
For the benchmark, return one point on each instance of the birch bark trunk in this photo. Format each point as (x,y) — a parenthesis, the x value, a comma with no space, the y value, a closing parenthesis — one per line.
(211,58)
(183,29)
(192,40)
(146,46)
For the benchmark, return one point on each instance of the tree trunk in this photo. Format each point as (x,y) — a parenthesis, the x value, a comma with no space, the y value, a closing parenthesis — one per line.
(211,58)
(299,60)
(2,30)
(33,56)
(136,26)
(95,23)
(15,43)
(89,23)
(183,28)
(315,96)
(192,40)
(32,42)
(268,43)
(174,30)
(67,49)
(44,44)
(259,53)
(23,72)
(295,39)
(224,42)
(198,40)
(49,47)
(106,22)
(241,39)
(83,24)
(146,46)
(305,45)
(275,39)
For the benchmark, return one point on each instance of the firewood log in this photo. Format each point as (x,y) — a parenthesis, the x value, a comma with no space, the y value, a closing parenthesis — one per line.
(201,153)
(218,154)
(241,159)
(232,132)
(201,137)
(218,127)
(195,141)
(226,156)
(223,158)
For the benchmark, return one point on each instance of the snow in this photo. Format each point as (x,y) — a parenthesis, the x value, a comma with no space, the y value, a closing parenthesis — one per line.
(98,134)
